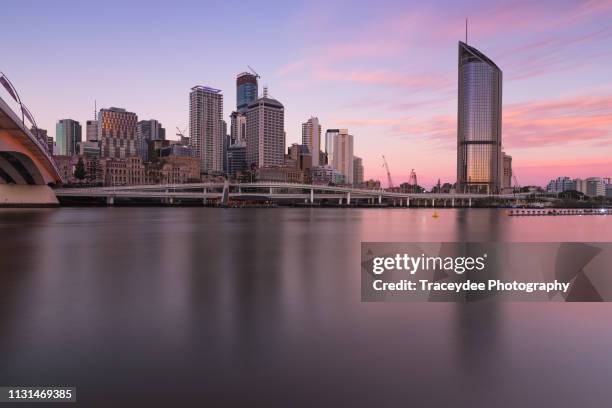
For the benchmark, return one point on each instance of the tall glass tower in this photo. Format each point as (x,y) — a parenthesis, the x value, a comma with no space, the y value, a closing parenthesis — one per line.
(479,155)
(246,91)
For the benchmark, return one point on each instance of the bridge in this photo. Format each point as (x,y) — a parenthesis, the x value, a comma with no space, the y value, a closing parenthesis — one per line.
(27,169)
(226,192)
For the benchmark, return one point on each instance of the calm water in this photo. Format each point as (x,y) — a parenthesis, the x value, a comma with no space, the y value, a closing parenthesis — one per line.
(213,307)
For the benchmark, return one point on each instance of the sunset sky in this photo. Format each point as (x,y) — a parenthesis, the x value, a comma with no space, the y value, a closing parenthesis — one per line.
(386,70)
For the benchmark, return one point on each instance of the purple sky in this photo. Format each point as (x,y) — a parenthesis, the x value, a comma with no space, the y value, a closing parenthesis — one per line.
(387,71)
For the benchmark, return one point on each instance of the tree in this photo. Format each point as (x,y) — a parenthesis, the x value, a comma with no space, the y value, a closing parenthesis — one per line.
(79,171)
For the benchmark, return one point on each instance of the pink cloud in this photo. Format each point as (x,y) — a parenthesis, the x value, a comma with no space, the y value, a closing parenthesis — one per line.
(384,77)
(582,120)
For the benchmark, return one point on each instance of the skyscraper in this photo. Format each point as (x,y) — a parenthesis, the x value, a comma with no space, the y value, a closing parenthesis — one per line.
(506,171)
(357,171)
(91,130)
(311,137)
(117,133)
(67,136)
(339,150)
(237,127)
(206,129)
(147,130)
(265,122)
(479,135)
(246,91)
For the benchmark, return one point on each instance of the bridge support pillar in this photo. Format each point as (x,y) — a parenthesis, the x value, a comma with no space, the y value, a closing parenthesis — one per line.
(433,202)
(470,202)
(380,199)
(348,198)
(311,196)
(453,202)
(407,201)
(271,191)
(110,200)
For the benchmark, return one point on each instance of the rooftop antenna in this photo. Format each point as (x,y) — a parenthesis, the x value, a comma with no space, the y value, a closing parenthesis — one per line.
(466,29)
(95,110)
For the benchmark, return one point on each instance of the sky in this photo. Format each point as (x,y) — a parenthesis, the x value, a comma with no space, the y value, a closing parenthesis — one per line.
(386,70)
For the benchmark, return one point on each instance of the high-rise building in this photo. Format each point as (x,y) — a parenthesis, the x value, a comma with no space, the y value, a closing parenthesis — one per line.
(301,156)
(595,187)
(91,130)
(237,127)
(357,171)
(479,134)
(246,91)
(579,185)
(67,136)
(559,185)
(147,130)
(311,137)
(506,171)
(42,134)
(265,132)
(206,129)
(117,132)
(236,158)
(339,150)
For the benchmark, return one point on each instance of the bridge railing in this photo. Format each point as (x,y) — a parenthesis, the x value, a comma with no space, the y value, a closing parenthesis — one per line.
(21,111)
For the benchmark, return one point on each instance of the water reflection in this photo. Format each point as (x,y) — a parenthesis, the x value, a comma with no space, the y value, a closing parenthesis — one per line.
(180,306)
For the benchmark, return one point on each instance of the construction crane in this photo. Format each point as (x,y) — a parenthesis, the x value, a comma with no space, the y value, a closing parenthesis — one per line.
(516,186)
(181,133)
(386,166)
(254,72)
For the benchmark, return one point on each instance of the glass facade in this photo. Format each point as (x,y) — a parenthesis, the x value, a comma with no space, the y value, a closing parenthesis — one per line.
(246,91)
(479,155)
(68,136)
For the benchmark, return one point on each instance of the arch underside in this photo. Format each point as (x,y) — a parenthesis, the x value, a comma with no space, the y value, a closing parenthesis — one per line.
(17,168)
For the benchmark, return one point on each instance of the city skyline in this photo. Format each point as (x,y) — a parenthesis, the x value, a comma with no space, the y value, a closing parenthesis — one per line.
(369,82)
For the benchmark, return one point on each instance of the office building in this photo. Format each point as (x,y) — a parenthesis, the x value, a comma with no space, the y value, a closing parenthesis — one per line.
(559,185)
(506,171)
(236,158)
(206,129)
(91,130)
(246,91)
(357,171)
(580,185)
(339,150)
(148,130)
(265,132)
(89,149)
(284,174)
(595,187)
(117,133)
(311,137)
(42,134)
(326,175)
(479,136)
(67,136)
(301,157)
(237,127)
(176,150)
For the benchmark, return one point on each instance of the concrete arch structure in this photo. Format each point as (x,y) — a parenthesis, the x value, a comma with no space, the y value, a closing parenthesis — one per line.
(27,170)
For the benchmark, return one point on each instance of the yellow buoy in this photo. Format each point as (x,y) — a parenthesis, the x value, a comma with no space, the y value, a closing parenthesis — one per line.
(435,214)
